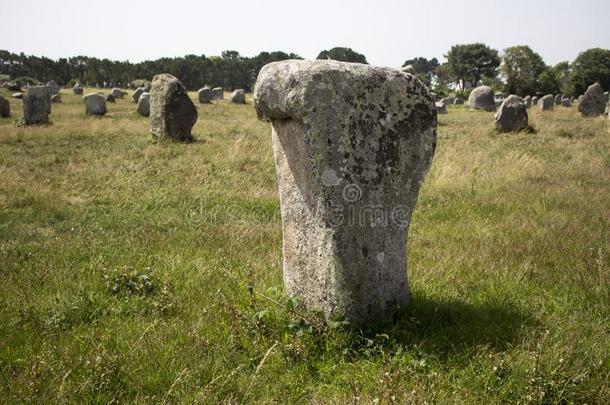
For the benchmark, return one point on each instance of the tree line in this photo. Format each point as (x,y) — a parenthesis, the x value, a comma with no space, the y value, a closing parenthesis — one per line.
(230,70)
(515,70)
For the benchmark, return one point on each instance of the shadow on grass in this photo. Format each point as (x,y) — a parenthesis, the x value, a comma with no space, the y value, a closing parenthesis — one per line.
(449,328)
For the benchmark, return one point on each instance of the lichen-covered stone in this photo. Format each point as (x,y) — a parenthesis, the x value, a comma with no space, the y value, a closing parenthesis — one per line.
(238,96)
(527,100)
(592,103)
(352,144)
(205,95)
(566,102)
(5,108)
(218,93)
(37,105)
(512,115)
(95,104)
(144,104)
(535,100)
(137,93)
(546,103)
(482,98)
(172,113)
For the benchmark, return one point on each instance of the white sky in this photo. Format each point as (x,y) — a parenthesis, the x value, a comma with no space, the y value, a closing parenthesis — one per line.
(387,32)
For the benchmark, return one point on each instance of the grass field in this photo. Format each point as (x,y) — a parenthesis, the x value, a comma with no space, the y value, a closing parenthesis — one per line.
(141,272)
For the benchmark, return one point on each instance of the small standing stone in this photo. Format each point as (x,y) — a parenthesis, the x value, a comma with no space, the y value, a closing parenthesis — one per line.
(527,101)
(18,95)
(238,96)
(218,93)
(54,87)
(56,98)
(117,93)
(558,99)
(136,94)
(37,105)
(5,108)
(110,98)
(566,102)
(482,98)
(172,113)
(205,95)
(95,104)
(512,115)
(535,100)
(441,108)
(144,104)
(447,101)
(77,90)
(546,103)
(592,103)
(458,101)
(348,139)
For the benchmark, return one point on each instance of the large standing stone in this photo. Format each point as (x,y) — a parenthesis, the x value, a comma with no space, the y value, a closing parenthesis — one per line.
(117,93)
(592,103)
(352,145)
(482,98)
(5,108)
(546,103)
(144,104)
(238,96)
(95,104)
(218,93)
(137,93)
(172,113)
(37,105)
(205,95)
(54,87)
(512,115)
(77,89)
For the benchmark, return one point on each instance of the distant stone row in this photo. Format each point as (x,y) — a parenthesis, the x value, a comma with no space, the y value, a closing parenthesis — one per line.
(511,115)
(37,102)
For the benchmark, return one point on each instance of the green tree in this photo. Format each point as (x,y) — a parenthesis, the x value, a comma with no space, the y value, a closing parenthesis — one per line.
(592,65)
(522,67)
(343,55)
(470,63)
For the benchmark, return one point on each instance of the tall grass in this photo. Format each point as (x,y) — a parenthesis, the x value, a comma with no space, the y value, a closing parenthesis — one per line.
(141,272)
